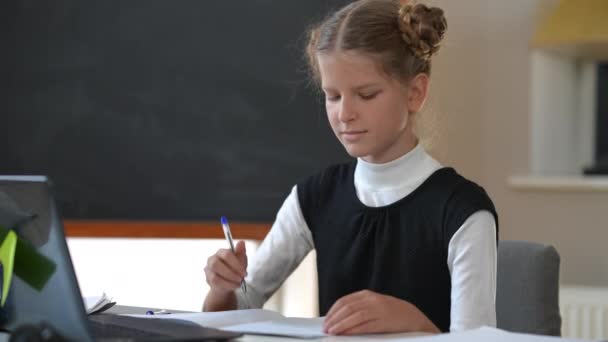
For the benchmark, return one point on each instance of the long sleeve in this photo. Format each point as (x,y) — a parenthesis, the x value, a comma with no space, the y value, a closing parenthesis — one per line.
(472,265)
(287,243)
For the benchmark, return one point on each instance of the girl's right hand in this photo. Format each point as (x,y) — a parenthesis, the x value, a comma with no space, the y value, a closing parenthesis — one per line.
(225,270)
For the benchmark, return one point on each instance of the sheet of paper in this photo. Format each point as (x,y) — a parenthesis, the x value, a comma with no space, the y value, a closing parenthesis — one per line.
(91,302)
(223,318)
(95,303)
(292,327)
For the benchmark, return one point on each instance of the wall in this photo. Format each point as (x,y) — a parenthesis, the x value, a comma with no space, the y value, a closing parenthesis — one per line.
(482,86)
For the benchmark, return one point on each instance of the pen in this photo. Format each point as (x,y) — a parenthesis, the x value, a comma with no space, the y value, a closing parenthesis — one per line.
(161,312)
(228,236)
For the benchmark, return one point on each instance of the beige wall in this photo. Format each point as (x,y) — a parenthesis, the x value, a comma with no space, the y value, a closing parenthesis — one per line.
(480,105)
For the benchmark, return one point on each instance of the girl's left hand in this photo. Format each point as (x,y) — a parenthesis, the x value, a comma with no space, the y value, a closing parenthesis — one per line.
(367,312)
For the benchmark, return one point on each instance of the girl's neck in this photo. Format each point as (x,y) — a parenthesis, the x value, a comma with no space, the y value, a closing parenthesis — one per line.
(402,147)
(404,172)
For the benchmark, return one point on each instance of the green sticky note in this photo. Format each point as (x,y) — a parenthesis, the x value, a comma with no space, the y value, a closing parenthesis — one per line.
(28,264)
(7,259)
(32,267)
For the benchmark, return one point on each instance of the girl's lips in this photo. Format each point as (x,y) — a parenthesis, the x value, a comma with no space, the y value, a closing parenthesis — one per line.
(352,135)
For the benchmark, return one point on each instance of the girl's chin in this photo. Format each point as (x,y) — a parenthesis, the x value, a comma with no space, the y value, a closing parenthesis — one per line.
(356,151)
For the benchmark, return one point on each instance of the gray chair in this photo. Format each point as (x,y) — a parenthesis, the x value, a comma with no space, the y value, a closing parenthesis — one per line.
(527,288)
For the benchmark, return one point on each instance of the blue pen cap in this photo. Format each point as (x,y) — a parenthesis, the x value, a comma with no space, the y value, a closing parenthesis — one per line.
(224,220)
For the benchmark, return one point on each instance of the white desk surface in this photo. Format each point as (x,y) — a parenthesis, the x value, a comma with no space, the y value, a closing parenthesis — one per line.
(120,309)
(484,334)
(4,337)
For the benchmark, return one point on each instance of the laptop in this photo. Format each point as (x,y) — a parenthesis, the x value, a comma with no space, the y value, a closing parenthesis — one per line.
(53,298)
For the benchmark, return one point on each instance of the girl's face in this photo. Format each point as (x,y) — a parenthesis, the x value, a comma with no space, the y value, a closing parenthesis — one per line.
(368,110)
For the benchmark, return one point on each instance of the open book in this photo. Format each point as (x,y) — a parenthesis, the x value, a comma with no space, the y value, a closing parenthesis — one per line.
(256,321)
(97,304)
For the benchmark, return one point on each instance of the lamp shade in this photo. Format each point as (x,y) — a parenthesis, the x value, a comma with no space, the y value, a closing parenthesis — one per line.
(575,27)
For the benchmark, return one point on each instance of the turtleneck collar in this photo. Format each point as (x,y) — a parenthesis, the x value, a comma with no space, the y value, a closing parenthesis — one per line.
(407,171)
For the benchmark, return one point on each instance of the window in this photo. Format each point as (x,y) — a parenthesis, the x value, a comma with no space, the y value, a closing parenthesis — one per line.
(601,127)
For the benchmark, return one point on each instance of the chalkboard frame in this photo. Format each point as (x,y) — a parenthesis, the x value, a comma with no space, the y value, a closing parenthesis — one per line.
(163,229)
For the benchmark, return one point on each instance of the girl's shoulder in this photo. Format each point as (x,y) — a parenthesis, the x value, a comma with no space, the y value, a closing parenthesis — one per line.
(462,197)
(448,181)
(331,174)
(320,187)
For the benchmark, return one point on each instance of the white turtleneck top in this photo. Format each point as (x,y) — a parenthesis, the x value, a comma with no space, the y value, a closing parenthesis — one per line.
(471,251)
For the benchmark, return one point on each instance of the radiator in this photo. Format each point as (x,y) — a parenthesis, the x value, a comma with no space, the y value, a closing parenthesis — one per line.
(584,312)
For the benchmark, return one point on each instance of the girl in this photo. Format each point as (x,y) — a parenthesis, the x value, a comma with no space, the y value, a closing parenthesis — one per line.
(403,243)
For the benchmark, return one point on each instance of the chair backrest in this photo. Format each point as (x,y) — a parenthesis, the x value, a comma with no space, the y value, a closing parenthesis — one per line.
(527,289)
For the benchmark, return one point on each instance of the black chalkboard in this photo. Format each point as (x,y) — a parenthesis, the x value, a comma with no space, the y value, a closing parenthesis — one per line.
(162,109)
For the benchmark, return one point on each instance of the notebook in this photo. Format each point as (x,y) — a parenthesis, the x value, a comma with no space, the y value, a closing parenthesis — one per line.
(254,321)
(52,298)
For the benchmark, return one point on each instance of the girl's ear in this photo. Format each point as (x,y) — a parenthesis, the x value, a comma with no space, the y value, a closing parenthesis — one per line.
(417,91)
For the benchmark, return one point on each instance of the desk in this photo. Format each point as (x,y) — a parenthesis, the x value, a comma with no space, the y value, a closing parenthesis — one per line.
(120,309)
(484,334)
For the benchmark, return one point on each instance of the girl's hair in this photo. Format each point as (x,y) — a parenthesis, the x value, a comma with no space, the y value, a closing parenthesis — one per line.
(402,38)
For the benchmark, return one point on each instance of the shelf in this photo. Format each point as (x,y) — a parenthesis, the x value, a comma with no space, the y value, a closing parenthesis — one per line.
(560,183)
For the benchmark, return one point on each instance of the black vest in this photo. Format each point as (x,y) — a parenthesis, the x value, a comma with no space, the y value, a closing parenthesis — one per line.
(400,249)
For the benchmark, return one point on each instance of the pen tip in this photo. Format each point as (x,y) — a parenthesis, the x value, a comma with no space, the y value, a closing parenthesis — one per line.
(224,220)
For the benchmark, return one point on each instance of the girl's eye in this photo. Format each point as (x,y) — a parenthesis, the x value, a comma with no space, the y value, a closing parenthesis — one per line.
(332,98)
(369,96)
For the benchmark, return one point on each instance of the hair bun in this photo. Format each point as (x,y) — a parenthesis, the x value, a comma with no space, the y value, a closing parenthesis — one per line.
(422,28)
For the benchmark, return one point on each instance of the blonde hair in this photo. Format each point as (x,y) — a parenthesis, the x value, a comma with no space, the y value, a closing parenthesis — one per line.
(402,38)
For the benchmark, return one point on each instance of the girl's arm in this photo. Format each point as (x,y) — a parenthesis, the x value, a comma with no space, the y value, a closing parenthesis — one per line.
(472,264)
(287,243)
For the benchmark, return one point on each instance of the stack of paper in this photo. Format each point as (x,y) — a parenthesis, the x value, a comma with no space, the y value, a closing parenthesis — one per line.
(97,304)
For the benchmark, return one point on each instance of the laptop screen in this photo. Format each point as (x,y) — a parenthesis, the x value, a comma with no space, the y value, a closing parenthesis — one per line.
(49,293)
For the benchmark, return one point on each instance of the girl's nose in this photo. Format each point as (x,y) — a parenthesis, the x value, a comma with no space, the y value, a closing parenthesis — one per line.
(347,112)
